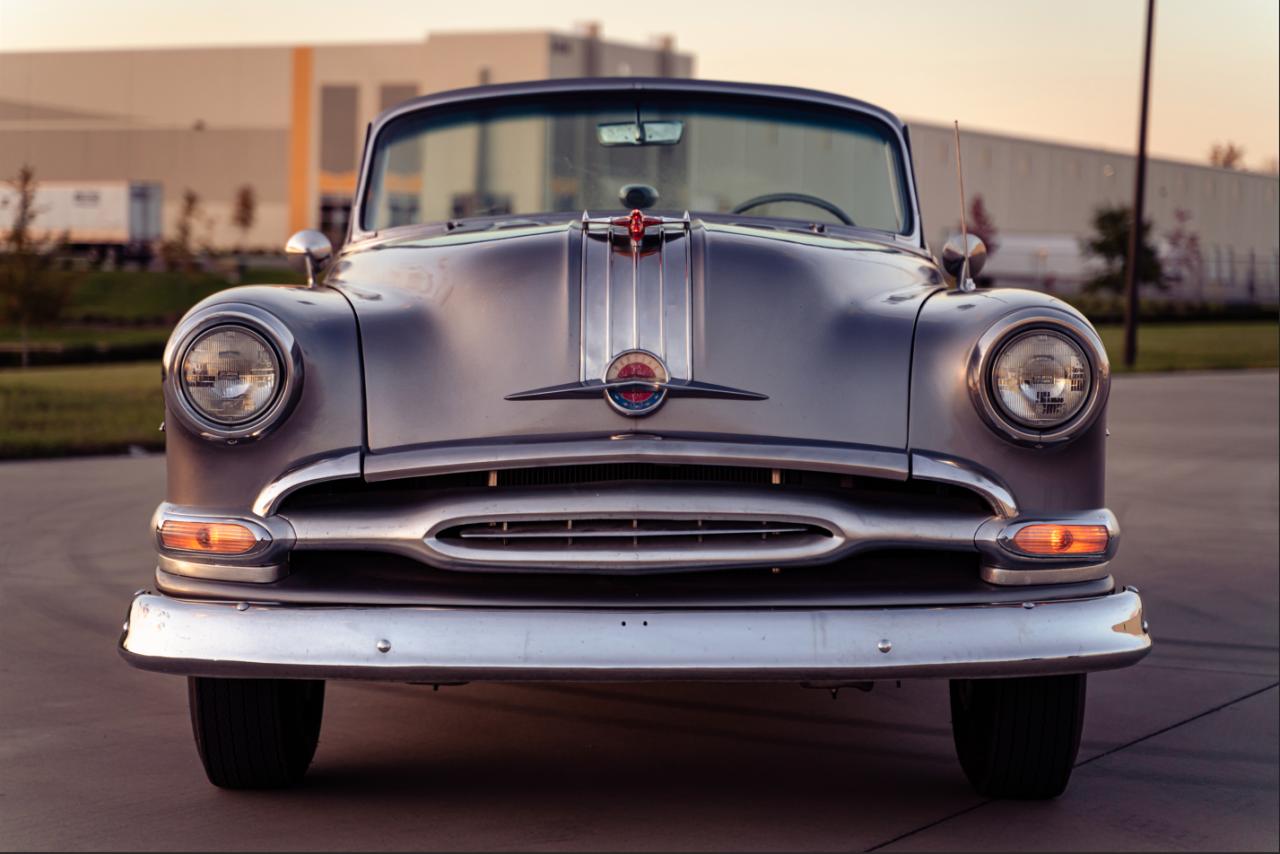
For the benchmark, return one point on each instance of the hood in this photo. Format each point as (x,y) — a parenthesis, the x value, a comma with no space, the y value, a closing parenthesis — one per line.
(813,331)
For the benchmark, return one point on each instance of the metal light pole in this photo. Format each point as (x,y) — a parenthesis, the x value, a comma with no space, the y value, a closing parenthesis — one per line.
(1139,204)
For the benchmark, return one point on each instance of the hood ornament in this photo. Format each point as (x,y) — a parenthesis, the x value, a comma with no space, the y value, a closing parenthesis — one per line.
(636,224)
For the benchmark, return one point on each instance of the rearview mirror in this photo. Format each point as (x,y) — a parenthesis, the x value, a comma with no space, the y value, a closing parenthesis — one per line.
(639,133)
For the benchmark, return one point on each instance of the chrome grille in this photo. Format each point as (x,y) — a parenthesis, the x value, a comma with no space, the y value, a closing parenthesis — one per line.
(630,533)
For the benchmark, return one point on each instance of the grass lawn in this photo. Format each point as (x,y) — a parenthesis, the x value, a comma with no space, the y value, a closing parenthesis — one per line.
(147,297)
(80,410)
(103,409)
(119,309)
(129,297)
(1198,346)
(89,335)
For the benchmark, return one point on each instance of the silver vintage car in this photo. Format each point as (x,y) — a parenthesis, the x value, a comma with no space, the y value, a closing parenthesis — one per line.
(634,379)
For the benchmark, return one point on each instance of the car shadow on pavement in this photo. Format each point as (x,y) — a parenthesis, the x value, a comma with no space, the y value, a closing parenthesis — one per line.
(573,739)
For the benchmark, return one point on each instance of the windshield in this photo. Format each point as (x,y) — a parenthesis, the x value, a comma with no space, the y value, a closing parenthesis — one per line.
(699,153)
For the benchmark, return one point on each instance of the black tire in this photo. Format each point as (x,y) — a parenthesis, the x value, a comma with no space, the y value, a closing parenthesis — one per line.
(255,733)
(1018,738)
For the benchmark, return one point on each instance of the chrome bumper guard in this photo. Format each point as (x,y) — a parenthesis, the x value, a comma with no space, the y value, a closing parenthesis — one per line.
(404,644)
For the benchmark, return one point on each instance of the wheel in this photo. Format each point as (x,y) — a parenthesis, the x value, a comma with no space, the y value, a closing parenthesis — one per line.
(1017,738)
(255,733)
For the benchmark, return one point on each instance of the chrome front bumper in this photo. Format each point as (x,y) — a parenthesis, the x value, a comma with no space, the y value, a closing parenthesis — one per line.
(403,644)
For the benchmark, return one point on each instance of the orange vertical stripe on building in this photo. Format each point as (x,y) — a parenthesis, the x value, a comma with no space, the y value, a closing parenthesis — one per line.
(300,141)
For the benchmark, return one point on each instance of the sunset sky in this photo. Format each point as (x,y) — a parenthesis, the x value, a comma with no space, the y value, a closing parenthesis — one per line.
(1060,71)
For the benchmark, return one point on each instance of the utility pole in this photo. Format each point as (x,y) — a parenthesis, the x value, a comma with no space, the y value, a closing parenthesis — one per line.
(1139,205)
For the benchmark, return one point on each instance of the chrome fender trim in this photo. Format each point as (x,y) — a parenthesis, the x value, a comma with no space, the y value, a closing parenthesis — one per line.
(926,466)
(1023,576)
(316,471)
(222,571)
(407,644)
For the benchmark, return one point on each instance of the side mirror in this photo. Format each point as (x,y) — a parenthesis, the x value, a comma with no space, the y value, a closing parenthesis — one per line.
(314,247)
(956,251)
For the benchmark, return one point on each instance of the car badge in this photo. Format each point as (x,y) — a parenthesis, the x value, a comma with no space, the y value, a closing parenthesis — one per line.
(635,383)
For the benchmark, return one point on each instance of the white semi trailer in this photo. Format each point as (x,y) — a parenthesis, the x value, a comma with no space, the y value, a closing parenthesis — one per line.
(118,219)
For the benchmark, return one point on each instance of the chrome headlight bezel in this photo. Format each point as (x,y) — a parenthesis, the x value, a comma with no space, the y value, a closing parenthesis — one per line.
(258,322)
(1005,331)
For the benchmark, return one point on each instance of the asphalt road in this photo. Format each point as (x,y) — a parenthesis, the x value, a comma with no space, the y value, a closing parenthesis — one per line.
(1179,752)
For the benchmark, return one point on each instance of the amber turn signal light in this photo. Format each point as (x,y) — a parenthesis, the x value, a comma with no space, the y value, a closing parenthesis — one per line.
(218,538)
(1052,540)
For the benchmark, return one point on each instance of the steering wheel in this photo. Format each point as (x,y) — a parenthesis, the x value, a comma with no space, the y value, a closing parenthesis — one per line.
(803,198)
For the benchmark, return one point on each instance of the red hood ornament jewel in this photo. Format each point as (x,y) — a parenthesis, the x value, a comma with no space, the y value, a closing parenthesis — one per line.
(636,223)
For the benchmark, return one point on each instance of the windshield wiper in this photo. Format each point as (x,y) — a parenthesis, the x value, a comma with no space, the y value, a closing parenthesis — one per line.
(456,226)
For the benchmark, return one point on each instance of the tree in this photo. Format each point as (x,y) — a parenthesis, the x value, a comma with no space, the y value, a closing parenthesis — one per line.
(1226,155)
(245,212)
(177,251)
(981,224)
(31,287)
(1183,261)
(1110,244)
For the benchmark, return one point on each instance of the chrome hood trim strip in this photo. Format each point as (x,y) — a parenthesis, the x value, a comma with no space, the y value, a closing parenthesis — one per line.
(634,448)
(636,295)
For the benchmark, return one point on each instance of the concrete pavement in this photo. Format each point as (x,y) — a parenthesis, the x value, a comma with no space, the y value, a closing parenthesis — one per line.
(1180,752)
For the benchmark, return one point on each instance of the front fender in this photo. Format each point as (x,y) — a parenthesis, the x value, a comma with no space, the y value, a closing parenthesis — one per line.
(326,421)
(944,421)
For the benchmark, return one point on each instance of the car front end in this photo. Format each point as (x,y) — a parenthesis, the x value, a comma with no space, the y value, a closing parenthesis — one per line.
(561,440)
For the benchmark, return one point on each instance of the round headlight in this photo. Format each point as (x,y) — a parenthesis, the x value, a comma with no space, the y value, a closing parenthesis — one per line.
(1041,379)
(230,375)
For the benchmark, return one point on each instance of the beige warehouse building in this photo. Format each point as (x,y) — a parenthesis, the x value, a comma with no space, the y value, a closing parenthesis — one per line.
(290,121)
(287,121)
(1043,195)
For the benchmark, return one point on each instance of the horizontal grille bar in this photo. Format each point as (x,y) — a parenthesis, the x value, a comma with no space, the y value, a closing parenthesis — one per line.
(606,472)
(348,493)
(625,529)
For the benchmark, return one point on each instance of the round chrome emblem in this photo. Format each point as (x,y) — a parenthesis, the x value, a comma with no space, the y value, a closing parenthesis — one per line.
(631,380)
